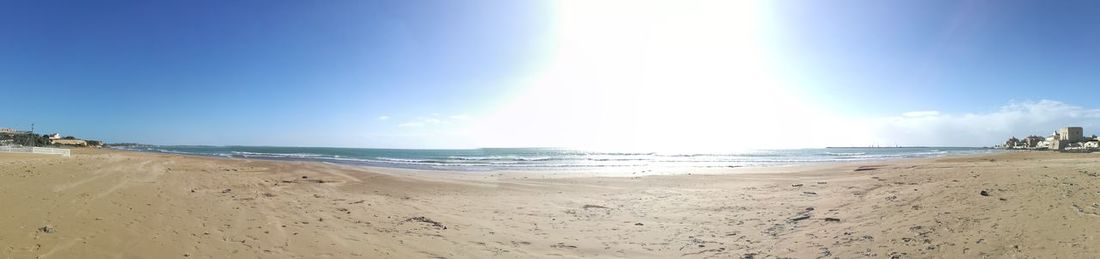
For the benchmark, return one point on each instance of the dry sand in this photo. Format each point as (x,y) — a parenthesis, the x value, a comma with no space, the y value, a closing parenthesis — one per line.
(115,204)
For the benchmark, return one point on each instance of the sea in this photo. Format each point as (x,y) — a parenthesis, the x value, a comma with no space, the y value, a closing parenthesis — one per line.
(492,159)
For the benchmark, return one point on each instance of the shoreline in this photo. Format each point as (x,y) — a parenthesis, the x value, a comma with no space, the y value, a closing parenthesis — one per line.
(582,170)
(106,203)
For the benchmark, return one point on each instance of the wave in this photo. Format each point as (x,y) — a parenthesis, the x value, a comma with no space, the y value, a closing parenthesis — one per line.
(405,160)
(504,158)
(552,159)
(295,155)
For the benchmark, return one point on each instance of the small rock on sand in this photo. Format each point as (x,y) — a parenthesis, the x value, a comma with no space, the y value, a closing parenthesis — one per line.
(800,216)
(865,168)
(427,220)
(562,245)
(984,193)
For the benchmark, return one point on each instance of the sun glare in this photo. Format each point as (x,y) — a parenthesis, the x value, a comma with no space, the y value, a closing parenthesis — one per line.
(654,75)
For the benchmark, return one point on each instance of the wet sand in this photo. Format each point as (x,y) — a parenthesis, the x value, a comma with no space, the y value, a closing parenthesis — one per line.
(116,204)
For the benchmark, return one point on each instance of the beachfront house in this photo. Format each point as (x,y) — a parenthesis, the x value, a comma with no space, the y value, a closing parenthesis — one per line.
(1092,144)
(1051,142)
(1032,141)
(1057,144)
(1063,139)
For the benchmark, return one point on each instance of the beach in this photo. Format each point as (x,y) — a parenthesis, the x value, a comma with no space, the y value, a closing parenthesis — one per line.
(120,204)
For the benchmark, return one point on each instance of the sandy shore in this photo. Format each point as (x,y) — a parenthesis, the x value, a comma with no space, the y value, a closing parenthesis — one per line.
(114,204)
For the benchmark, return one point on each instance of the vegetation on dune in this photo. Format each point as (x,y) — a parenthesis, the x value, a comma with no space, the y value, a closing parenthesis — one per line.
(26,139)
(35,140)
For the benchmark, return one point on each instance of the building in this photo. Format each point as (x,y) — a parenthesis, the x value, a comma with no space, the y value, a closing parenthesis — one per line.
(1030,142)
(1066,137)
(1061,139)
(68,142)
(7,130)
(55,136)
(1071,134)
(1052,141)
(1091,144)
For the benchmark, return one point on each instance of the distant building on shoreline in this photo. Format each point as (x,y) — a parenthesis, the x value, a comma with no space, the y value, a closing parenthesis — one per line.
(1033,141)
(1012,142)
(1064,139)
(69,142)
(13,137)
(1029,142)
(1071,134)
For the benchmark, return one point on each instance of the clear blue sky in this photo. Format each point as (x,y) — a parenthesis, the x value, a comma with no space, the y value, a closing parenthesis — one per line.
(421,74)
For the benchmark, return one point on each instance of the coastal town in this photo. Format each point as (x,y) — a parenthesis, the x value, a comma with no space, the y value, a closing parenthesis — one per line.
(27,138)
(1068,139)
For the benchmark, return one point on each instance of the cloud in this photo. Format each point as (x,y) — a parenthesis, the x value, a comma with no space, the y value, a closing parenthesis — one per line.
(980,129)
(383,117)
(739,130)
(422,122)
(411,124)
(436,120)
(921,113)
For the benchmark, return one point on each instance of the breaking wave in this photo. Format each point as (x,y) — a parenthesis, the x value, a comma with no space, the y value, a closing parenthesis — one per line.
(550,159)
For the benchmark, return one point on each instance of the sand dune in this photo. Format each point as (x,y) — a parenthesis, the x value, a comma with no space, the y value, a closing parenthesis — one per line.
(113,204)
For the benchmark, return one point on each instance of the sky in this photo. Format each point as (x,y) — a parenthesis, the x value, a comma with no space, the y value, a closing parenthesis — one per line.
(655,75)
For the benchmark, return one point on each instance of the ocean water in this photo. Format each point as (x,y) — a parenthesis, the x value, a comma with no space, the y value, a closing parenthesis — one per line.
(488,159)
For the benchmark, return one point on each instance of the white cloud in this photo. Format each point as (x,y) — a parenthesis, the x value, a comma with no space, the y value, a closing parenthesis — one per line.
(980,129)
(383,117)
(921,113)
(423,122)
(411,124)
(806,127)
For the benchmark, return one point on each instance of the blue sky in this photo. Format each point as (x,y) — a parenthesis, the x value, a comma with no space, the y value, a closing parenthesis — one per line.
(958,56)
(613,74)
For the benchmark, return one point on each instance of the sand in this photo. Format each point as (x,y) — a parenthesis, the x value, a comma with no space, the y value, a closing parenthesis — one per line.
(117,204)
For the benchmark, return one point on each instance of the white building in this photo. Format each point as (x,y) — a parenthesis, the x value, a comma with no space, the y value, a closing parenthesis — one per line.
(69,142)
(1091,144)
